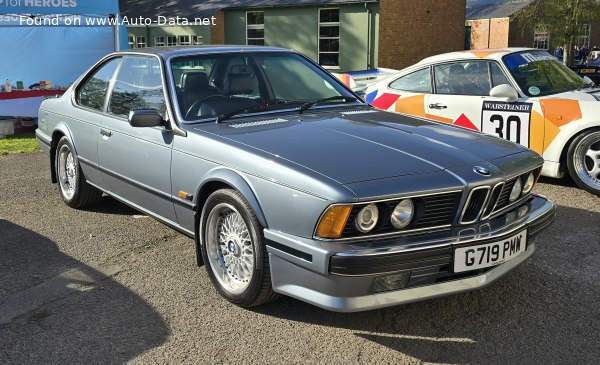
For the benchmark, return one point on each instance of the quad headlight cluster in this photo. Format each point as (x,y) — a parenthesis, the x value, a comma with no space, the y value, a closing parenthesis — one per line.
(365,219)
(523,185)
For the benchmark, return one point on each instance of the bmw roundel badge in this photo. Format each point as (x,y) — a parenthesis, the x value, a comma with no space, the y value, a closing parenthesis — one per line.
(482,171)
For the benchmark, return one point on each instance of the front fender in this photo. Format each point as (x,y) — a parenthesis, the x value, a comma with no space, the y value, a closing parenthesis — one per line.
(222,175)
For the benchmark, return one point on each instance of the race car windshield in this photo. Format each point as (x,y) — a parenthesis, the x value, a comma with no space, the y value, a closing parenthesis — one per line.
(222,85)
(538,73)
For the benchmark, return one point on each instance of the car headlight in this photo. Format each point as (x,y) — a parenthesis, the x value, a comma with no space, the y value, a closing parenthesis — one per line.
(367,218)
(528,186)
(403,214)
(333,221)
(515,193)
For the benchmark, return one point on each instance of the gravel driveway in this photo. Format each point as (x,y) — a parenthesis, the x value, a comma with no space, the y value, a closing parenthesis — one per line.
(110,286)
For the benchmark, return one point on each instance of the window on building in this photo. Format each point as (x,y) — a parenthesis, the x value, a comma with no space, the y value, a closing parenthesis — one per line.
(197,40)
(418,81)
(184,40)
(140,42)
(159,41)
(329,38)
(468,37)
(131,41)
(255,28)
(171,41)
(541,37)
(583,40)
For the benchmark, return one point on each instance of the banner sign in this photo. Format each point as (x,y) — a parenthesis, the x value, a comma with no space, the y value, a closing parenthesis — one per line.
(81,7)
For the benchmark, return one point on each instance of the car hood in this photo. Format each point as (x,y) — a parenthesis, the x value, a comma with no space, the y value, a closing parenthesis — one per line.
(360,145)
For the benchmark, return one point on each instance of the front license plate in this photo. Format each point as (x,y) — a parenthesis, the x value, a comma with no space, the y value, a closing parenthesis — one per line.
(489,254)
(587,70)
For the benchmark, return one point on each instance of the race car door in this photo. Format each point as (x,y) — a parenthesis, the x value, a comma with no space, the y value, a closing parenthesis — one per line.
(462,98)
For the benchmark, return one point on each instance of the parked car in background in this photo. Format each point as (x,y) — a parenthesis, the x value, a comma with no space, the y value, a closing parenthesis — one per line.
(591,70)
(521,95)
(291,184)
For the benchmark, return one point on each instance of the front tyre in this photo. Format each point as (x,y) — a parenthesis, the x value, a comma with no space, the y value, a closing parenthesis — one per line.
(73,188)
(583,161)
(233,250)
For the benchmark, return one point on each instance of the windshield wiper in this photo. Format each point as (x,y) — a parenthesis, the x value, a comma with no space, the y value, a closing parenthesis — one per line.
(309,105)
(589,84)
(255,108)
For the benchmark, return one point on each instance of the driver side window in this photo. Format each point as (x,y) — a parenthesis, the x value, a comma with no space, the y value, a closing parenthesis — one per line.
(138,86)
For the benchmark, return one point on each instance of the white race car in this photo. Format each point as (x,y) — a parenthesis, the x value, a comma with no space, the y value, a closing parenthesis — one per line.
(523,95)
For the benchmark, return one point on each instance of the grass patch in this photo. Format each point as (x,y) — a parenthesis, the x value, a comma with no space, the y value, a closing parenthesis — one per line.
(19,143)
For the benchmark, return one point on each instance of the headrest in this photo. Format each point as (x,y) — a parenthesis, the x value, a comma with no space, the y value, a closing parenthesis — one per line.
(457,69)
(239,84)
(196,81)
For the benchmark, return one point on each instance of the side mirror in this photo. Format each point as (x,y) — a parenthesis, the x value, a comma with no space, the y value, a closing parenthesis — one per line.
(144,118)
(505,91)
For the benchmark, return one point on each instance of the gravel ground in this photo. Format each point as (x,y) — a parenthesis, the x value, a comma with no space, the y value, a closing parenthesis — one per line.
(109,286)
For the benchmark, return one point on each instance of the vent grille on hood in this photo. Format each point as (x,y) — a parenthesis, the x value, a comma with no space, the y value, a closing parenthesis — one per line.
(259,123)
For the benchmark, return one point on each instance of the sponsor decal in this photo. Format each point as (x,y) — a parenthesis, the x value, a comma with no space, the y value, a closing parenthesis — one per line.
(510,121)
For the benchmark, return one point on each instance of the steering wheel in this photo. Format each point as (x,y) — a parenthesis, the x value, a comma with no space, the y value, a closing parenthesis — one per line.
(193,110)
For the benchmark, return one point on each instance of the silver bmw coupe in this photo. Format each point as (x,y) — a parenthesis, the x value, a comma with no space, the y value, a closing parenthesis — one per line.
(288,182)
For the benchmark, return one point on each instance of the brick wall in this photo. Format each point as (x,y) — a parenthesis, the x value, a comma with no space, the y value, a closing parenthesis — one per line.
(411,30)
(217,31)
(489,33)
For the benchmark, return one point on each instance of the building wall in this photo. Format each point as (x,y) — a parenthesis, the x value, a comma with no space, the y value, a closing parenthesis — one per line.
(151,31)
(297,28)
(519,37)
(412,30)
(217,31)
(489,33)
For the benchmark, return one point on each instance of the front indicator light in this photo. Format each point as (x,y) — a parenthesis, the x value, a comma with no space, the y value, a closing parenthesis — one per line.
(367,218)
(333,221)
(515,193)
(403,214)
(529,183)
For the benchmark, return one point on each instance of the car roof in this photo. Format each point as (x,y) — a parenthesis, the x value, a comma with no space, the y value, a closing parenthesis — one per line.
(167,52)
(476,54)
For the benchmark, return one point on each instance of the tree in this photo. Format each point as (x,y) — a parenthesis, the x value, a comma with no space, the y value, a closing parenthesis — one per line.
(563,20)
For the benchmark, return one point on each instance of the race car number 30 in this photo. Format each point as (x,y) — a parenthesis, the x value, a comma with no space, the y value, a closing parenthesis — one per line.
(489,254)
(507,120)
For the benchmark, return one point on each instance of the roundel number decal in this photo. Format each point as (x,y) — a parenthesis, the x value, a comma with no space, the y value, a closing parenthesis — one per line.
(508,121)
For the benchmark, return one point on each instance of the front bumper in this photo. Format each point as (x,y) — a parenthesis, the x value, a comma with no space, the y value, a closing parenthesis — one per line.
(341,276)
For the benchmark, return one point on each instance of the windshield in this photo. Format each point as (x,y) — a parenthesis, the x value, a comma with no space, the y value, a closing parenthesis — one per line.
(209,86)
(538,73)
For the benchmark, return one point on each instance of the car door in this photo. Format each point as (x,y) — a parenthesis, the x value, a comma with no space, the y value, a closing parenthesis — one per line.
(462,98)
(84,124)
(136,162)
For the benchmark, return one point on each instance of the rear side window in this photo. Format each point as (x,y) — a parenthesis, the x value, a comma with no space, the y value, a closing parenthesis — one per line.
(92,93)
(137,86)
(418,81)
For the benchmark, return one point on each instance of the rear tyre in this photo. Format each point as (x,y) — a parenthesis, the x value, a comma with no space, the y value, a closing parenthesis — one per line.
(73,188)
(583,161)
(233,250)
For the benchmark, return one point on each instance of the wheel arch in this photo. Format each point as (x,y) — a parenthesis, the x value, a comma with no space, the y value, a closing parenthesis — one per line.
(60,131)
(565,148)
(223,178)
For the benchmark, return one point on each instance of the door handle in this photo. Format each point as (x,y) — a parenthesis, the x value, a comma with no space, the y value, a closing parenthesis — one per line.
(105,133)
(437,106)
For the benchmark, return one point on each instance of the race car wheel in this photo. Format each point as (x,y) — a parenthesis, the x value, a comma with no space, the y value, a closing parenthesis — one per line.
(233,250)
(73,188)
(583,161)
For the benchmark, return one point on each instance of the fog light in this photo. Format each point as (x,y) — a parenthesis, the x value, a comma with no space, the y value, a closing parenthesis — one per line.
(403,214)
(367,218)
(529,184)
(390,282)
(516,191)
